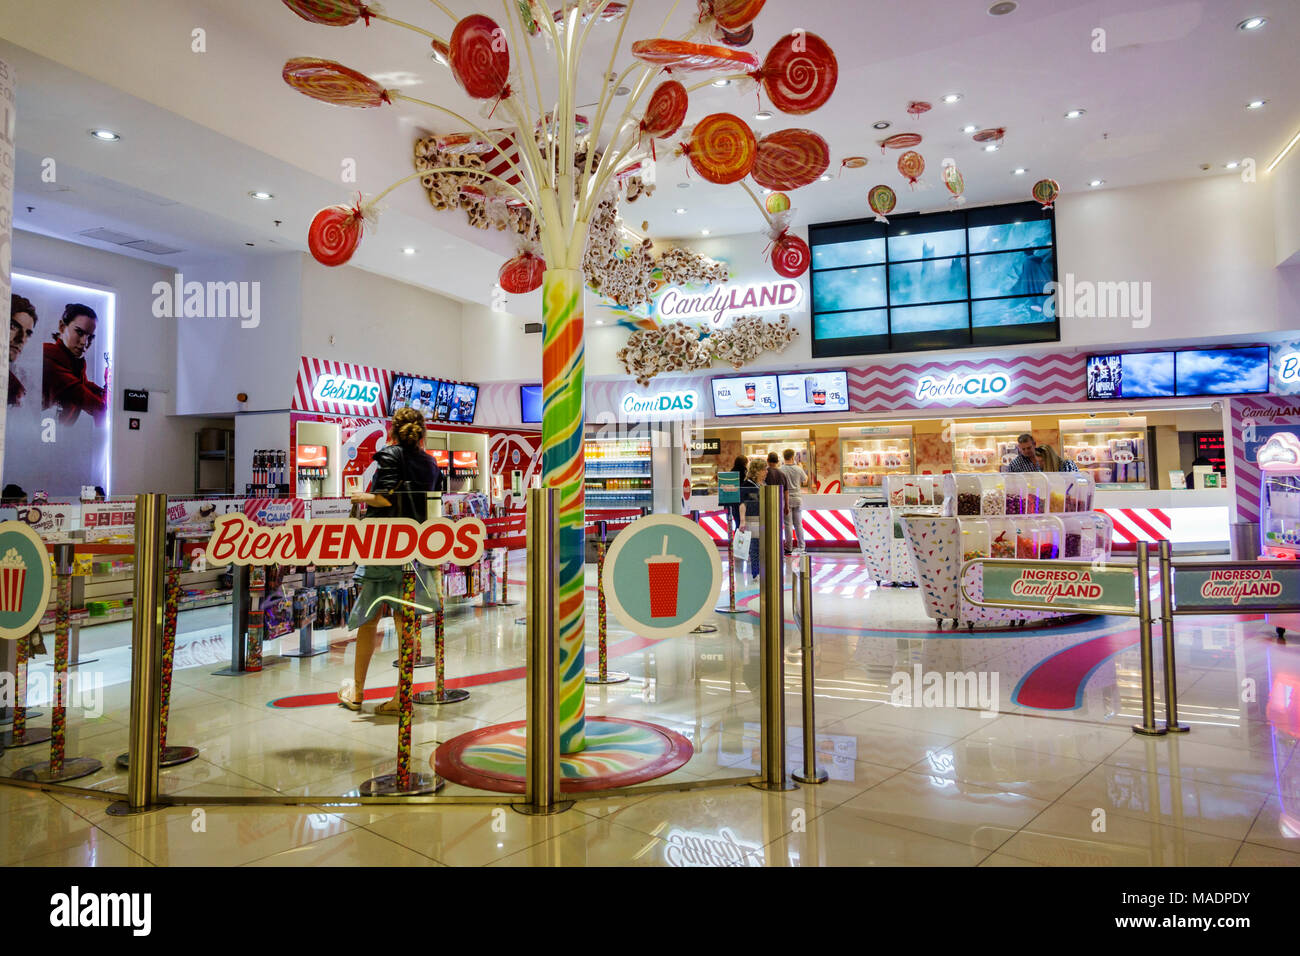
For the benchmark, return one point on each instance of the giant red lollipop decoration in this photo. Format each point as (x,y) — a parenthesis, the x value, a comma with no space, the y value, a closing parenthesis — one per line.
(900,141)
(334,234)
(790,158)
(722,148)
(664,114)
(734,15)
(790,256)
(684,55)
(799,73)
(333,82)
(331,13)
(480,59)
(522,274)
(911,165)
(882,201)
(1046,191)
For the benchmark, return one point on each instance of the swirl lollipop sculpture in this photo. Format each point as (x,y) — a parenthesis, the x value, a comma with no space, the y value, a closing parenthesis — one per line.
(553,176)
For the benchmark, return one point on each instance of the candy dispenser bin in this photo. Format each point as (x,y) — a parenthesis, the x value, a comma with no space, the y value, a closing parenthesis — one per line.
(993,494)
(1079,496)
(974,539)
(1002,537)
(1016,493)
(1059,484)
(1037,491)
(961,492)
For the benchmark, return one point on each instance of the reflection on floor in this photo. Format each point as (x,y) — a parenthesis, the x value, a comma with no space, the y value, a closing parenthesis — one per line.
(1011,748)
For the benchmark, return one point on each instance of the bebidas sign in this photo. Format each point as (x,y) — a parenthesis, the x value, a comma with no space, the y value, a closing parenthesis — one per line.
(346,391)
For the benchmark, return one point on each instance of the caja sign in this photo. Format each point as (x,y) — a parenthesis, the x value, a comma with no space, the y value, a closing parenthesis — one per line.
(346,391)
(983,385)
(662,405)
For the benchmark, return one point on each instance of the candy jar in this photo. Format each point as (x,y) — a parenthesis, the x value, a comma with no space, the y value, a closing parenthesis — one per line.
(963,490)
(1037,490)
(1059,483)
(1015,485)
(993,494)
(894,490)
(1080,493)
(974,539)
(1002,538)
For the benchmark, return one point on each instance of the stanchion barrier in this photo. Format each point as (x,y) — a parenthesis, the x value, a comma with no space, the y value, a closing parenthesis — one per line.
(147,615)
(602,674)
(60,768)
(168,756)
(731,571)
(810,772)
(440,694)
(403,782)
(1148,727)
(542,747)
(19,734)
(1168,652)
(771,593)
(239,612)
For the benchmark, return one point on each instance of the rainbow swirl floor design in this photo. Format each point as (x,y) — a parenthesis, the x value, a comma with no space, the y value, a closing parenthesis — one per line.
(620,752)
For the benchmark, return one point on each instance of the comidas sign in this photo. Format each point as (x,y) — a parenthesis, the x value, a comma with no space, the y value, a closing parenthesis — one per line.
(345,391)
(335,541)
(975,388)
(679,404)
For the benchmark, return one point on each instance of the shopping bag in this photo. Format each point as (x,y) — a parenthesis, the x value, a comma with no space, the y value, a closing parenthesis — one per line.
(740,544)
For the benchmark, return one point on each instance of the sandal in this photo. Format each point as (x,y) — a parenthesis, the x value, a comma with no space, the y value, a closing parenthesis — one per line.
(389,708)
(348,702)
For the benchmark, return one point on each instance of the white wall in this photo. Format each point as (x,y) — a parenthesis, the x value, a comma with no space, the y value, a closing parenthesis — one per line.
(494,346)
(1285,183)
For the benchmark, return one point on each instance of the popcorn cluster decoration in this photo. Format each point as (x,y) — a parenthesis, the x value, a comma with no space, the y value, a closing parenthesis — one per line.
(680,347)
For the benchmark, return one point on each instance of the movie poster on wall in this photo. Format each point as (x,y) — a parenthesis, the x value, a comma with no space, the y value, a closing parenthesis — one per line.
(60,403)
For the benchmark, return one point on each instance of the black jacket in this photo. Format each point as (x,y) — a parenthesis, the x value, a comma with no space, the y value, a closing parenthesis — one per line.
(403,477)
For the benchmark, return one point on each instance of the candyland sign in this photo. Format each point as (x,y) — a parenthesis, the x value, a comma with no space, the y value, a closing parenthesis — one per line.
(237,539)
(1087,589)
(1231,588)
(726,301)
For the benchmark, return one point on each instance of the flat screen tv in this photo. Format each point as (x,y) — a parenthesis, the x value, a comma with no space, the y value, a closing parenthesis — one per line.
(1131,375)
(1230,371)
(814,392)
(530,404)
(463,403)
(410,391)
(746,395)
(955,279)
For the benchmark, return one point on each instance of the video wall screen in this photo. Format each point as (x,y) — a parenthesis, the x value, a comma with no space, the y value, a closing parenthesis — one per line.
(935,281)
(1184,374)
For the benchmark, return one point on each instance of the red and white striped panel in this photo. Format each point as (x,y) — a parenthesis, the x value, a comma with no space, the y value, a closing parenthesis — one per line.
(714,524)
(830,526)
(1138,524)
(310,369)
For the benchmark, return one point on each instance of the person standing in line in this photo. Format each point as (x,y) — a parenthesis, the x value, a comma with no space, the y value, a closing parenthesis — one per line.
(775,476)
(405,475)
(750,503)
(22,321)
(797,478)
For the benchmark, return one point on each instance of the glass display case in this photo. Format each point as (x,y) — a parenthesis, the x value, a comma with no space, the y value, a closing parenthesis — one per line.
(968,494)
(984,446)
(1112,451)
(619,473)
(871,453)
(704,476)
(761,443)
(910,491)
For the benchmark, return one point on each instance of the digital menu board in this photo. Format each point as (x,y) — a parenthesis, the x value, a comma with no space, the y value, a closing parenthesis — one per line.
(411,392)
(746,395)
(814,392)
(463,402)
(1231,371)
(1131,375)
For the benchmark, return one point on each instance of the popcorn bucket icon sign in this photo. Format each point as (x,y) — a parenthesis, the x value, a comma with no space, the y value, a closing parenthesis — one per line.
(663,571)
(13,578)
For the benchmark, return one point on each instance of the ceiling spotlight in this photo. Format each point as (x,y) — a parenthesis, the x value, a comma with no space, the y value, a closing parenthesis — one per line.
(261,194)
(991,148)
(883,124)
(1252,23)
(105,135)
(825,178)
(1003,7)
(1075,114)
(951,97)
(1019,171)
(408,251)
(683,185)
(1097,182)
(1232,165)
(969,129)
(704,232)
(680,211)
(763,115)
(1256,104)
(600,321)
(722,82)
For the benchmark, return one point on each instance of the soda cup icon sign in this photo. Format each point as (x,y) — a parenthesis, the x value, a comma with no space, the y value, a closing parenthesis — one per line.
(663,570)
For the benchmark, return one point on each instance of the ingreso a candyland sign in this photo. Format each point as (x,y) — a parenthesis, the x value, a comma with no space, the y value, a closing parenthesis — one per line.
(1040,584)
(333,541)
(1231,588)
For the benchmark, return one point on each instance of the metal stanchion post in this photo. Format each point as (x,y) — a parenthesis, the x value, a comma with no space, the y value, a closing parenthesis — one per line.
(147,615)
(440,694)
(403,782)
(603,674)
(168,756)
(731,570)
(1167,633)
(771,593)
(1148,727)
(19,735)
(542,750)
(703,628)
(238,622)
(810,774)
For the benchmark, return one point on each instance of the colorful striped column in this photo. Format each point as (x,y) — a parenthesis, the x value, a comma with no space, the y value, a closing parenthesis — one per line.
(564,469)
(407,629)
(58,710)
(171,603)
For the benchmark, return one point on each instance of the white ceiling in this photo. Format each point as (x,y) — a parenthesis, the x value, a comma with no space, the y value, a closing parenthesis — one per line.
(200,130)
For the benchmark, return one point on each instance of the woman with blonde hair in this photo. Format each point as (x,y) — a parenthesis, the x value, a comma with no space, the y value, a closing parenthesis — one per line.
(1049,460)
(404,476)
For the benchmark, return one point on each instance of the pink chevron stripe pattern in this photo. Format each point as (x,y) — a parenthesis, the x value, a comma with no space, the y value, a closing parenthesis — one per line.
(1263,411)
(1040,379)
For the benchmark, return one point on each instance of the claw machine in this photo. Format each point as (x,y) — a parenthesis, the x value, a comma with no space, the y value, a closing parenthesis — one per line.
(1279,497)
(868,454)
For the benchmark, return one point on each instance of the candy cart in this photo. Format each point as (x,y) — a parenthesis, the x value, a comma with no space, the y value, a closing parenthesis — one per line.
(880,536)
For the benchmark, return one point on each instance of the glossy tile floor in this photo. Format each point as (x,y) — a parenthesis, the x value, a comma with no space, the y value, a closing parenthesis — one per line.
(966,775)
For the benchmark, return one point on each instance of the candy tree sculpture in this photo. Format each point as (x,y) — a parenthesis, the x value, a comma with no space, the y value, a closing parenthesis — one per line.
(550,165)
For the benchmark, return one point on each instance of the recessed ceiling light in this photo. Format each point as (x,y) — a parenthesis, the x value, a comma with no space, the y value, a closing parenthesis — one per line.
(622,91)
(1019,171)
(104,135)
(825,178)
(261,194)
(991,148)
(600,321)
(1074,114)
(1256,104)
(680,211)
(1232,165)
(763,115)
(951,97)
(969,129)
(704,232)
(722,82)
(1252,23)
(1003,7)
(683,185)
(1097,182)
(883,124)
(408,251)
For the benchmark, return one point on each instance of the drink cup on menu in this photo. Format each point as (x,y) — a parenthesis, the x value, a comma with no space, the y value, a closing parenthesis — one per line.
(751,391)
(662,571)
(13,578)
